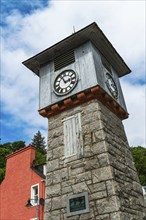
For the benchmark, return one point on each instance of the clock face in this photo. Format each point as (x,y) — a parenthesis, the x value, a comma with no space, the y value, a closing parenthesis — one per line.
(111,85)
(65,82)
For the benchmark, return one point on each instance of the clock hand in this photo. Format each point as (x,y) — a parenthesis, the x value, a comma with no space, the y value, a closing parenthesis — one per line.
(68,80)
(63,79)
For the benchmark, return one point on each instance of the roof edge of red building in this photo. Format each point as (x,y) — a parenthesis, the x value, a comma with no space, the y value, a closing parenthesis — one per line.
(30,146)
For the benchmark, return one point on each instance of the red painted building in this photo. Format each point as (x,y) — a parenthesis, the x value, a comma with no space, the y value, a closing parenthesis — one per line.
(23,180)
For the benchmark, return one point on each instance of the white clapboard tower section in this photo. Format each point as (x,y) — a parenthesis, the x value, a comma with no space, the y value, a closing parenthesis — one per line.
(90,172)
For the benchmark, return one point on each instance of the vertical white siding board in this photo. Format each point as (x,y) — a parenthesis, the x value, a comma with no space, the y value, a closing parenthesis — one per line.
(70,140)
(80,135)
(74,135)
(66,149)
(77,133)
(64,132)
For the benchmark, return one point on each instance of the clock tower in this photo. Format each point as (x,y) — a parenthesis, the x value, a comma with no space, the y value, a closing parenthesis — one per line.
(90,171)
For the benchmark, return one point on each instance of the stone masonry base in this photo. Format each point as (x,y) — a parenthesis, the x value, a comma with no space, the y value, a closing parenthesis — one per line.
(106,170)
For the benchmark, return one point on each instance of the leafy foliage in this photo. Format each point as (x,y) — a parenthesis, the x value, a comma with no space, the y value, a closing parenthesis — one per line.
(39,142)
(2,174)
(139,157)
(40,158)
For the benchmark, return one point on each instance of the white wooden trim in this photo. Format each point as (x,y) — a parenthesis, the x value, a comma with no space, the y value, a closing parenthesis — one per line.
(32,195)
(68,118)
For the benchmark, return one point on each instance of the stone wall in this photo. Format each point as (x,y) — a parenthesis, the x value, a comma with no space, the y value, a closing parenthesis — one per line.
(106,170)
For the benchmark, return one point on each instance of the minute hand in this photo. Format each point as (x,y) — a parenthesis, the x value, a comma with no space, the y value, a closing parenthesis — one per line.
(68,80)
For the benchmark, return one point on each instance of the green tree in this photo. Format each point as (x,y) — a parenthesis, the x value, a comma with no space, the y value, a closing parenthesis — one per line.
(39,142)
(4,151)
(40,158)
(139,157)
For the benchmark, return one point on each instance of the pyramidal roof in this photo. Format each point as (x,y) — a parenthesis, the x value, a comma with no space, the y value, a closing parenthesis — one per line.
(89,33)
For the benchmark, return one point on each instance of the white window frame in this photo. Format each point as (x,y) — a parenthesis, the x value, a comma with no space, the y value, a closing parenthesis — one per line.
(44,169)
(73,143)
(33,219)
(144,193)
(33,196)
(144,190)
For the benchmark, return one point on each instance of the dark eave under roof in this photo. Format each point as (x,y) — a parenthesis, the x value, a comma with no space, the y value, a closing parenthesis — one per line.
(90,33)
(39,170)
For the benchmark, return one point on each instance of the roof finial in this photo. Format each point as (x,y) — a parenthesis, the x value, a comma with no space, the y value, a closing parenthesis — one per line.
(74,29)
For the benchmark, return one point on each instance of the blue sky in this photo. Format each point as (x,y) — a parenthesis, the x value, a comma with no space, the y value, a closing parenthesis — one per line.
(24,6)
(28,27)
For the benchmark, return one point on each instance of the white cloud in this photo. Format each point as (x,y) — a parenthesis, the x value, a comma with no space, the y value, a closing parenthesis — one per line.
(121,21)
(135,124)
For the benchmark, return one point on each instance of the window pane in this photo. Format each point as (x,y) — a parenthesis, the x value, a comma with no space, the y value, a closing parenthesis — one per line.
(35,199)
(34,194)
(36,190)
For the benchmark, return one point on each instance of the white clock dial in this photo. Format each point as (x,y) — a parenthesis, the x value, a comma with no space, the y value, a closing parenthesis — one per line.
(111,85)
(65,82)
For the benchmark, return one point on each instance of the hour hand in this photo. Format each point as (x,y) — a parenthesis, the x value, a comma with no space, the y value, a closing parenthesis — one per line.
(64,80)
(68,80)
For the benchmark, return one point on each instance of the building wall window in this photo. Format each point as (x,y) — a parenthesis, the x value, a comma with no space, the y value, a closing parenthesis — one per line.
(144,193)
(73,144)
(144,187)
(34,194)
